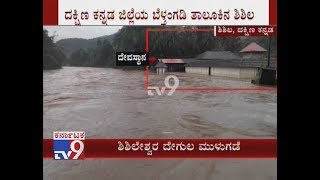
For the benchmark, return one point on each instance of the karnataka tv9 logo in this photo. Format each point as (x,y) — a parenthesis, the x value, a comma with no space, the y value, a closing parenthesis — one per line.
(68,145)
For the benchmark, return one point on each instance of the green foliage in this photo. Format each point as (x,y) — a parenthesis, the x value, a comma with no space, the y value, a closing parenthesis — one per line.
(100,52)
(181,44)
(102,55)
(70,45)
(53,57)
(79,58)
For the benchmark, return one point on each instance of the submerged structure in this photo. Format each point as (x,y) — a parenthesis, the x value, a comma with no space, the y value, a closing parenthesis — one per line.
(246,64)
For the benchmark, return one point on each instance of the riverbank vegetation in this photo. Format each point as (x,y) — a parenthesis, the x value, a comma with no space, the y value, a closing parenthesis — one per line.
(100,52)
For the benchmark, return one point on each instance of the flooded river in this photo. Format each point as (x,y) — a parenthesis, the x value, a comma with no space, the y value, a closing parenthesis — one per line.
(112,103)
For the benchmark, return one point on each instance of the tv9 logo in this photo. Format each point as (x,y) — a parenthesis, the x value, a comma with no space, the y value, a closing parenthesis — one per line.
(68,145)
(161,91)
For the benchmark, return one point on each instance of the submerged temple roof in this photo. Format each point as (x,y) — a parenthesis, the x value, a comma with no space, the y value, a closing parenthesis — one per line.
(248,63)
(218,55)
(253,47)
(223,59)
(172,61)
(160,64)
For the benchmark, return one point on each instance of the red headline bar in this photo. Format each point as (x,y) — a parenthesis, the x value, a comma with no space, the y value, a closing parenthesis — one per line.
(50,12)
(173,148)
(273,12)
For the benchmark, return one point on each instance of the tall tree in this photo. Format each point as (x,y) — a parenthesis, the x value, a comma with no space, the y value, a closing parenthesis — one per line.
(53,57)
(79,58)
(173,44)
(104,55)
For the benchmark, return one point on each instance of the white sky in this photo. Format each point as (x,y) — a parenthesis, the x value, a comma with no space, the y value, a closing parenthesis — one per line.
(86,32)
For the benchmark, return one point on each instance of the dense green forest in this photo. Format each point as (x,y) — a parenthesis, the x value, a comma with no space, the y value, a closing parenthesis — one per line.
(172,44)
(102,55)
(182,44)
(100,52)
(53,57)
(69,45)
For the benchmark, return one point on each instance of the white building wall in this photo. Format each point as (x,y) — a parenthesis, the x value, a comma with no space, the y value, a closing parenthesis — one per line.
(225,72)
(161,70)
(197,70)
(253,55)
(240,73)
(248,73)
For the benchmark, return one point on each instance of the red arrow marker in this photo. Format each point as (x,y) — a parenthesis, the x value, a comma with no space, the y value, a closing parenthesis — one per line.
(152,59)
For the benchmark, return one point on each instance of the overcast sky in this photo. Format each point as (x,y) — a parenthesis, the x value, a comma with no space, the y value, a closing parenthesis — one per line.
(86,32)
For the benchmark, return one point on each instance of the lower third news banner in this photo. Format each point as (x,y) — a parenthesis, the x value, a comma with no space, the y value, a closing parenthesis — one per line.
(165,148)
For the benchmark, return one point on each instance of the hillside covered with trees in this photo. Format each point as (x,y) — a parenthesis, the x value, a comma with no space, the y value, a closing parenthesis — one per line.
(172,44)
(182,44)
(100,52)
(101,55)
(53,57)
(70,45)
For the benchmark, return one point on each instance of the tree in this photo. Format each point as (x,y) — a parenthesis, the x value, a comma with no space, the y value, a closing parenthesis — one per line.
(101,56)
(53,57)
(173,44)
(104,55)
(79,58)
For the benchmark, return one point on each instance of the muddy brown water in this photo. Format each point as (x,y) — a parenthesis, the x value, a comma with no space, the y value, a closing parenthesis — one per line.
(112,103)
